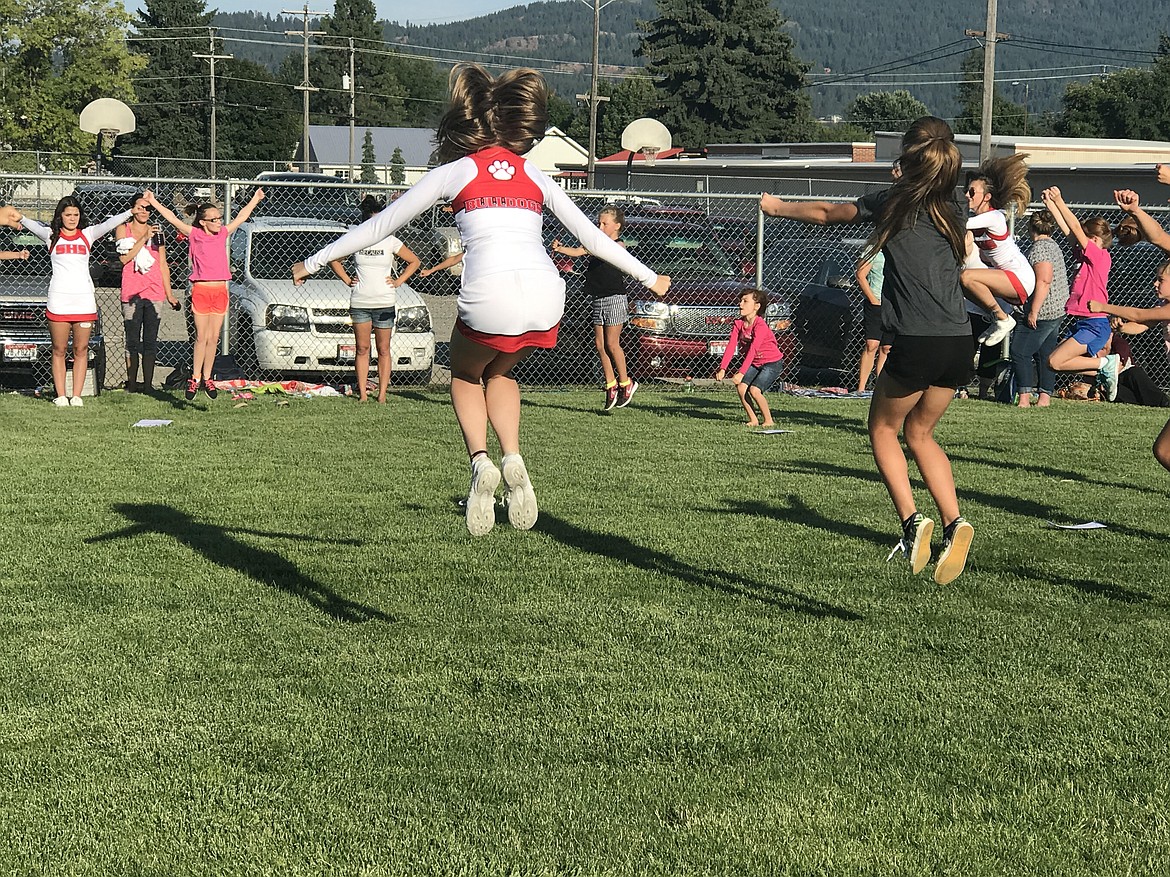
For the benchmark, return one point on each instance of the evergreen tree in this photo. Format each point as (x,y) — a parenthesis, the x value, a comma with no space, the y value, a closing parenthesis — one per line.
(55,59)
(1006,117)
(369,159)
(725,70)
(397,167)
(379,94)
(172,104)
(259,118)
(885,110)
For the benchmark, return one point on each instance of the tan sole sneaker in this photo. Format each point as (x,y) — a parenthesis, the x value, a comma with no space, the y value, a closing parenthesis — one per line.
(954,555)
(522,508)
(481,498)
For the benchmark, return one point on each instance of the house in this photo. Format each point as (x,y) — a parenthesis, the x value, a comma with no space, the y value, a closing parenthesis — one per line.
(329,151)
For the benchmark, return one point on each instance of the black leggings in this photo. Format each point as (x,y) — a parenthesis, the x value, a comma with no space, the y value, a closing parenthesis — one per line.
(142,327)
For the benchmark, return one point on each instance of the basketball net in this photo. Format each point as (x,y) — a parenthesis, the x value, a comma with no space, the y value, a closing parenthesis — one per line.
(106,139)
(649,154)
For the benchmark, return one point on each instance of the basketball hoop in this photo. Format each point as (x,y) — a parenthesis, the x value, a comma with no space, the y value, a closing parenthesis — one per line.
(649,154)
(106,138)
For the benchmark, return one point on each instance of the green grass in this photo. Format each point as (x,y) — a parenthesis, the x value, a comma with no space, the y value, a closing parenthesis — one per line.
(260,641)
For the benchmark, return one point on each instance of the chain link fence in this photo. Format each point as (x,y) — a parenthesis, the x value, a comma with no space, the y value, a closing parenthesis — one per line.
(714,248)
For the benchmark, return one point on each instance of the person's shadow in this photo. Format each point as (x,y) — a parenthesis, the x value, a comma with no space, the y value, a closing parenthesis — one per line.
(219,545)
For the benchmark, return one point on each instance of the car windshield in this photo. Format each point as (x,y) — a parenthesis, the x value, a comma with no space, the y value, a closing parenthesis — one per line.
(680,251)
(274,252)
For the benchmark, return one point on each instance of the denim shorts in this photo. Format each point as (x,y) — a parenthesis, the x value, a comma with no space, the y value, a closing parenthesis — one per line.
(382,318)
(763,376)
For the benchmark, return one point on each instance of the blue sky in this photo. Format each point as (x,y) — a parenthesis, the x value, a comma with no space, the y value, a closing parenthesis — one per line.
(426,12)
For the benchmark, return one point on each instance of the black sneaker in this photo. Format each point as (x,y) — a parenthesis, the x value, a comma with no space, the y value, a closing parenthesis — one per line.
(625,394)
(915,542)
(192,389)
(957,536)
(611,397)
(209,389)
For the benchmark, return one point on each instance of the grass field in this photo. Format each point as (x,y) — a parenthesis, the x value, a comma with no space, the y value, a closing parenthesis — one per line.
(260,641)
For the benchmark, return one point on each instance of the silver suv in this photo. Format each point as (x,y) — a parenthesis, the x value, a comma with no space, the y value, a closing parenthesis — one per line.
(279,327)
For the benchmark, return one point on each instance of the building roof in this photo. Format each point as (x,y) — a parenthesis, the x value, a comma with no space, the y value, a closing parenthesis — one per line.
(330,144)
(624,155)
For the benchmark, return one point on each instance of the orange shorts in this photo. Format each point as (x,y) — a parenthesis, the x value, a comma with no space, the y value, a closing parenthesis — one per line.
(209,297)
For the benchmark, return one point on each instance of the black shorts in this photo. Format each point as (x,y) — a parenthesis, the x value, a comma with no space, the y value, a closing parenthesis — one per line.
(917,362)
(871,316)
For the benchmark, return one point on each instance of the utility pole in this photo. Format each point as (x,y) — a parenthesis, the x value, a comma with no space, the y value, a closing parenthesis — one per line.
(212,58)
(305,87)
(991,38)
(593,98)
(350,83)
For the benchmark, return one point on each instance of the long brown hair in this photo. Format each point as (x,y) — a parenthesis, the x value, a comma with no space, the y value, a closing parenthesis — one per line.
(930,164)
(510,110)
(1006,181)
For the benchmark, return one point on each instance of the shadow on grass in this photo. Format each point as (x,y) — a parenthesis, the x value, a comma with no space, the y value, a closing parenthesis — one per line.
(435,398)
(623,549)
(219,545)
(801,514)
(1013,465)
(1107,590)
(844,423)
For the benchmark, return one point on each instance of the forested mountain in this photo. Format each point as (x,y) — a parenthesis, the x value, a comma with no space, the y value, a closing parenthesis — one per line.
(1051,43)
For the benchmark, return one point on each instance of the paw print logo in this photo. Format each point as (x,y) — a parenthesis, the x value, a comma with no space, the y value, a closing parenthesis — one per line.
(501,170)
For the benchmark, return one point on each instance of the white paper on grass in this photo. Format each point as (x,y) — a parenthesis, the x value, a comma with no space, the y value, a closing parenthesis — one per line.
(1088,525)
(153,423)
(771,431)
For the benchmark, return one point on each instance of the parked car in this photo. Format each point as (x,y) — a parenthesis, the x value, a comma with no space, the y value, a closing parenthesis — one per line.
(279,327)
(303,196)
(682,334)
(26,350)
(819,278)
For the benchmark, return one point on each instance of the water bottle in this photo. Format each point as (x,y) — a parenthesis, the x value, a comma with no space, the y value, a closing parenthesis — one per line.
(690,384)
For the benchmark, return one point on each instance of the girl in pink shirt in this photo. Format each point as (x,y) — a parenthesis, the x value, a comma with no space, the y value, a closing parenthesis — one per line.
(752,337)
(207,240)
(1081,352)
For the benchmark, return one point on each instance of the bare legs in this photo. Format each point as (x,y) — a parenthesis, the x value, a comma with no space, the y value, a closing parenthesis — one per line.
(361,358)
(59,334)
(982,285)
(915,414)
(482,390)
(753,394)
(1162,446)
(207,328)
(608,341)
(874,351)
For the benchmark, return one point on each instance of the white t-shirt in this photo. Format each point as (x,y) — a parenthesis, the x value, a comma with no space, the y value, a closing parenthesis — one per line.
(509,284)
(374,264)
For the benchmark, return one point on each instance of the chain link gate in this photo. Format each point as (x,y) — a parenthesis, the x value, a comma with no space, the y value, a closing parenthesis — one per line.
(713,246)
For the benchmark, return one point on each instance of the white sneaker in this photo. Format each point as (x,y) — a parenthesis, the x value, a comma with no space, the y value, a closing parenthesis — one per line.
(522,510)
(998,330)
(61,401)
(481,498)
(76,402)
(1108,375)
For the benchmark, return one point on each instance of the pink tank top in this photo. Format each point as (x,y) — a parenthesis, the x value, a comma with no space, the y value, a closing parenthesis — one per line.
(148,286)
(209,259)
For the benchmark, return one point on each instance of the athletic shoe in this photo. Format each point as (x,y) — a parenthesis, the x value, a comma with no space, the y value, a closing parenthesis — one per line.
(209,389)
(957,536)
(61,401)
(611,397)
(522,510)
(915,542)
(76,402)
(998,330)
(481,498)
(192,389)
(625,394)
(1108,375)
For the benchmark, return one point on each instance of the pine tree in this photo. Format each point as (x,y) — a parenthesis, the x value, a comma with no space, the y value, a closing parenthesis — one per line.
(725,70)
(397,167)
(369,159)
(885,110)
(172,117)
(1006,117)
